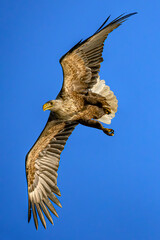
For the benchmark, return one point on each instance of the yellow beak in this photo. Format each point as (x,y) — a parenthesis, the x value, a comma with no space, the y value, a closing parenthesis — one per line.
(47,106)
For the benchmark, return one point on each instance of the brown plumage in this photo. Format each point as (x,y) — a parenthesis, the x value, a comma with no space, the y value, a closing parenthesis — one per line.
(84,99)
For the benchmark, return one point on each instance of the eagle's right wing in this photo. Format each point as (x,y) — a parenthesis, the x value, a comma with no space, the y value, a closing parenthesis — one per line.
(42,163)
(81,64)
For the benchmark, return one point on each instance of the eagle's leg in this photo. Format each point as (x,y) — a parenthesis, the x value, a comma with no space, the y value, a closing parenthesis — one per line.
(97,100)
(96,124)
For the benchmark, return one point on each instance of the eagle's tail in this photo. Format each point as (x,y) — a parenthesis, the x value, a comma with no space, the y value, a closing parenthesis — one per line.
(111,99)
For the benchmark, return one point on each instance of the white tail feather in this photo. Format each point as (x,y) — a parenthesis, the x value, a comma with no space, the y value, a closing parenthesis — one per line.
(104,90)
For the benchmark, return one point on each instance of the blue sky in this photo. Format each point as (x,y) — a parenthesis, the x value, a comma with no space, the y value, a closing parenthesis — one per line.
(110,186)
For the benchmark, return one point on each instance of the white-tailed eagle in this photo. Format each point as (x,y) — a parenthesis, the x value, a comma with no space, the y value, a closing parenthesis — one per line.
(84,99)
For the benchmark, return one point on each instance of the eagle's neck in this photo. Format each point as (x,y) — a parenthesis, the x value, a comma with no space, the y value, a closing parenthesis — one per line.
(63,109)
(58,104)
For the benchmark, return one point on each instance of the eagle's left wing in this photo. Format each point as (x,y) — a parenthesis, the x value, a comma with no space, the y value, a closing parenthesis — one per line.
(42,163)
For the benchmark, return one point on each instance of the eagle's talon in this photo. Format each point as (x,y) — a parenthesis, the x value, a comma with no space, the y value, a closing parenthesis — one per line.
(107,110)
(109,132)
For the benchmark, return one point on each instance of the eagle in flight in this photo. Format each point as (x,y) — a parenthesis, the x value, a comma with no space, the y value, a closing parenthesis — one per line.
(84,99)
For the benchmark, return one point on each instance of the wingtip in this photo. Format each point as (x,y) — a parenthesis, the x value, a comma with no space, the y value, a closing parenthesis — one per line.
(130,14)
(119,20)
(134,13)
(103,24)
(29,210)
(29,218)
(60,205)
(36,224)
(124,16)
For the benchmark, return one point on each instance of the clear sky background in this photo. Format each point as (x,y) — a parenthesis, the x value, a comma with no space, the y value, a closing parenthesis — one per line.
(110,186)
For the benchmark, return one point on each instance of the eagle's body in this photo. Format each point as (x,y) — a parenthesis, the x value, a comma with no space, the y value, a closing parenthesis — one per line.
(70,109)
(84,99)
(65,108)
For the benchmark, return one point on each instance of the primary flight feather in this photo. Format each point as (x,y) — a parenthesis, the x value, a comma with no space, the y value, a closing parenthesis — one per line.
(84,99)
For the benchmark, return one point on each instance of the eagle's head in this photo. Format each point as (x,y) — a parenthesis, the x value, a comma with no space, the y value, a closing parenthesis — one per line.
(51,105)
